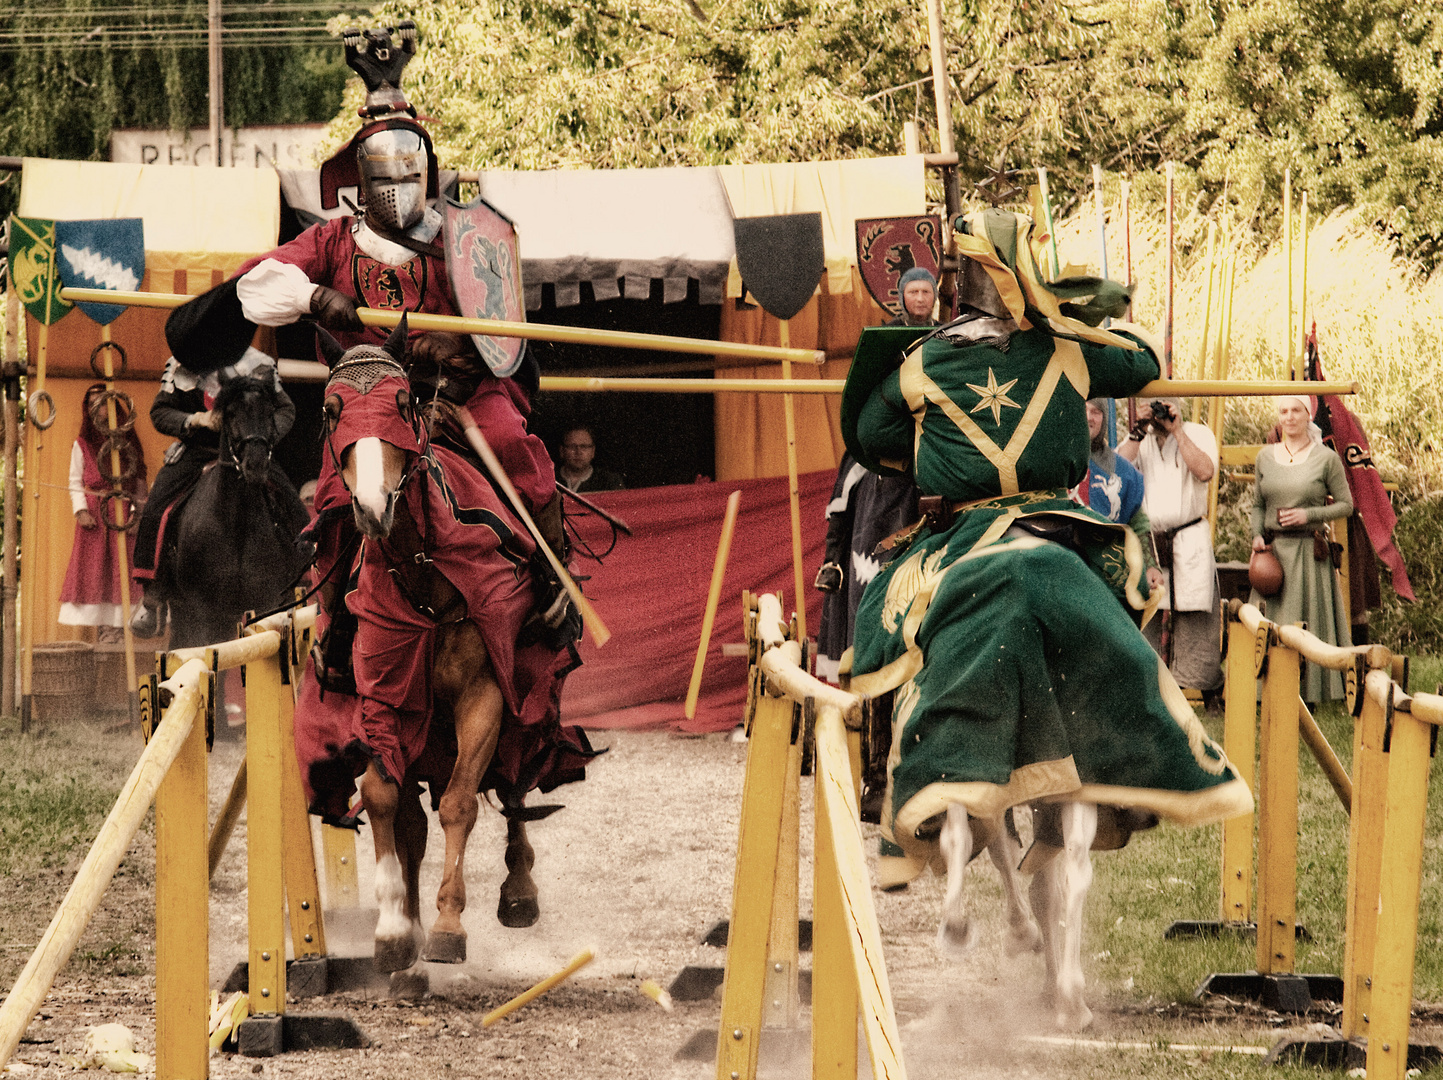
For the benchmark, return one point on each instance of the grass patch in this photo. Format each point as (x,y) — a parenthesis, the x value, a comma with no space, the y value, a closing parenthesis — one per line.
(56,787)
(1172,873)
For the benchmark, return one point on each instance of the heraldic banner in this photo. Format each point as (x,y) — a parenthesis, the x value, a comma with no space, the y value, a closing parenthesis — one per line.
(32,268)
(101,254)
(888,247)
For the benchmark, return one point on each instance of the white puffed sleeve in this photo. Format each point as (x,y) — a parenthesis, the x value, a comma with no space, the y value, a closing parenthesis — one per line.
(273,293)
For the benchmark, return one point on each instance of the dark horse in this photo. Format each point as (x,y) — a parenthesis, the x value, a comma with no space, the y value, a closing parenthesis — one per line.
(235,535)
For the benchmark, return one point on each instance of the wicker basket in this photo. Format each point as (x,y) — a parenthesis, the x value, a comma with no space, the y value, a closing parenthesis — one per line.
(63,680)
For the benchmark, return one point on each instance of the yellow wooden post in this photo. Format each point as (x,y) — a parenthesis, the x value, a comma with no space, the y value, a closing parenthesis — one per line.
(265,883)
(834,985)
(303,890)
(799,584)
(758,840)
(338,847)
(1365,860)
(1278,815)
(182,912)
(782,1002)
(1240,744)
(837,801)
(1402,871)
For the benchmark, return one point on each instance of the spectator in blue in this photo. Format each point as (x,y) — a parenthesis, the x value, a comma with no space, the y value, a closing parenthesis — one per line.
(1114,488)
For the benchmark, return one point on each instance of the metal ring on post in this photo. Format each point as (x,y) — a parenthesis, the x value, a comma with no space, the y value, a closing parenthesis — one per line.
(32,410)
(124,411)
(128,522)
(95,354)
(129,459)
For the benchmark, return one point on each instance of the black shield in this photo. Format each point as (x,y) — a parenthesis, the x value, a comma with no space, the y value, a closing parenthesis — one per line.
(781,260)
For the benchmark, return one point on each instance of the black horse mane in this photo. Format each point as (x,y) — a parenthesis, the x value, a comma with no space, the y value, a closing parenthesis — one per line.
(231,389)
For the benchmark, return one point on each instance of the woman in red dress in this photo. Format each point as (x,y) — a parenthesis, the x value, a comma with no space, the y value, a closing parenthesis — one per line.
(91,593)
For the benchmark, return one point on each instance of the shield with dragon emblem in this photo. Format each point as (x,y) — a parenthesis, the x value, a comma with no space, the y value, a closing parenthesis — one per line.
(105,254)
(888,247)
(483,264)
(32,268)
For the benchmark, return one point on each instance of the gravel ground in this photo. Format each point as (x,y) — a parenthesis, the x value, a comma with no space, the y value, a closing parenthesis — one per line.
(638,867)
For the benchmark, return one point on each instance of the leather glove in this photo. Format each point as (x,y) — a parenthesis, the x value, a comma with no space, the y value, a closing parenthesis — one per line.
(442,350)
(335,310)
(829,578)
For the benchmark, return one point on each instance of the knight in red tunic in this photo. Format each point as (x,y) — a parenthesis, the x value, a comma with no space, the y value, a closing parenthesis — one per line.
(388,257)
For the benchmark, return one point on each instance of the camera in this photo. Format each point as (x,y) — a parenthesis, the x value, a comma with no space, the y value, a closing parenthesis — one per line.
(1161,413)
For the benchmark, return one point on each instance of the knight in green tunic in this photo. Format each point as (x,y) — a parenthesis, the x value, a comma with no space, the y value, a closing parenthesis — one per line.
(1010,635)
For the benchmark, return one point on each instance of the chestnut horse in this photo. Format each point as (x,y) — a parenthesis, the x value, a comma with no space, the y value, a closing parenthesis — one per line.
(404,495)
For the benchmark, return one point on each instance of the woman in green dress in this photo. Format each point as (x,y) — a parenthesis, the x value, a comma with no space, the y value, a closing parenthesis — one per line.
(1295,476)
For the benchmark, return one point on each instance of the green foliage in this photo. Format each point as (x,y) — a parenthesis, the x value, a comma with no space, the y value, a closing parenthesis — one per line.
(63,95)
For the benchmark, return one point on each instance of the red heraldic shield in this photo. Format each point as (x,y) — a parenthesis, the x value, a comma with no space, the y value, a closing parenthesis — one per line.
(483,264)
(888,247)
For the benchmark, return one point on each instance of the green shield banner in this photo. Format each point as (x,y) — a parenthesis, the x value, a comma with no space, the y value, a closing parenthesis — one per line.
(32,268)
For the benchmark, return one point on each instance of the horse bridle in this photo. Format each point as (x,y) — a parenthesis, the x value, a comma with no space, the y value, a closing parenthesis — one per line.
(228,457)
(341,372)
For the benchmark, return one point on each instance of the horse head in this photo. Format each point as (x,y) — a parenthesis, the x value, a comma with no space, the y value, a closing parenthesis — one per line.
(247,407)
(372,433)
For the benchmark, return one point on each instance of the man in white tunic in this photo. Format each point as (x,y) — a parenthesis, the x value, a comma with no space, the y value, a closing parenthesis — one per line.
(1178,459)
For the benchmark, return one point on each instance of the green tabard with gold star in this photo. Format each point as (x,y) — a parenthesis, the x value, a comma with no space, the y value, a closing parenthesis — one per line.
(1019,673)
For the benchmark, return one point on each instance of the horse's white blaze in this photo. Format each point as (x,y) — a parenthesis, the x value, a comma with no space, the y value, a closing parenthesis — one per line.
(370,491)
(391,899)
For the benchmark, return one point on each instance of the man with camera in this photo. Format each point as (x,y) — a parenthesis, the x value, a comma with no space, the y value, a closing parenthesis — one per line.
(1177,460)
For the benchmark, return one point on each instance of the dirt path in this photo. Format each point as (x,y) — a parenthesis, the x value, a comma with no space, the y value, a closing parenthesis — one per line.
(638,866)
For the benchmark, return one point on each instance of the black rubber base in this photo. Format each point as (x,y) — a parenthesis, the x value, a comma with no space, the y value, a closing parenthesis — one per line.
(696,983)
(267,1036)
(717,936)
(314,977)
(1285,993)
(1184,928)
(1341,1053)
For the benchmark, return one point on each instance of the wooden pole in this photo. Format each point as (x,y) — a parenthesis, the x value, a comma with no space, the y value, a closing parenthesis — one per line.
(1288,266)
(713,597)
(1047,218)
(1159,387)
(1302,337)
(1371,768)
(265,880)
(941,84)
(1167,295)
(215,57)
(182,910)
(579,961)
(9,593)
(794,491)
(122,557)
(29,531)
(1101,219)
(225,821)
(576,335)
(1127,270)
(111,844)
(1240,720)
(599,633)
(1278,815)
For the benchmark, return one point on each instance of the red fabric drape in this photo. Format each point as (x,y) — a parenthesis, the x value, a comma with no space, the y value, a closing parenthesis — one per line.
(651,591)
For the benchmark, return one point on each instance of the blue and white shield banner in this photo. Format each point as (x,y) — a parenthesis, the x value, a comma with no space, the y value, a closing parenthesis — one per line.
(483,265)
(103,254)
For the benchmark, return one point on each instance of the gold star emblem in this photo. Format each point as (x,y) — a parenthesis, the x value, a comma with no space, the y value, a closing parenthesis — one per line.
(994,397)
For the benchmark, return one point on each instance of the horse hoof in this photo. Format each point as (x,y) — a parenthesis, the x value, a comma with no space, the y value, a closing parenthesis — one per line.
(411,983)
(396,954)
(1073,1018)
(444,947)
(954,939)
(1028,940)
(519,912)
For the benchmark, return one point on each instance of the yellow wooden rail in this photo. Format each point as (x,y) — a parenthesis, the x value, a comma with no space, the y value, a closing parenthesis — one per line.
(1387,798)
(849,972)
(577,335)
